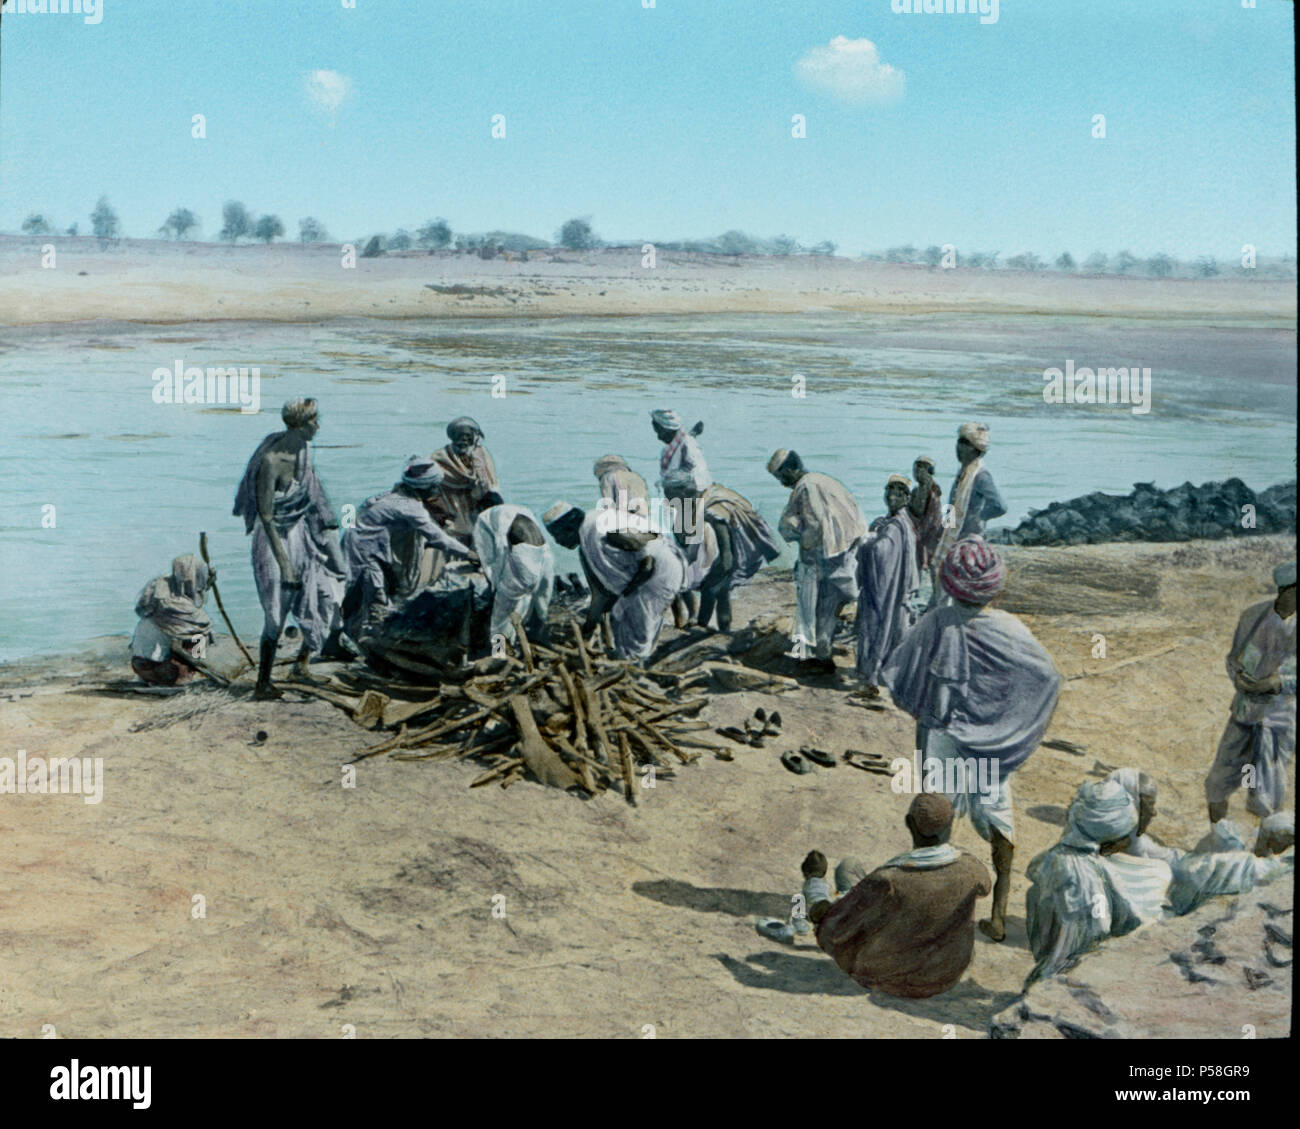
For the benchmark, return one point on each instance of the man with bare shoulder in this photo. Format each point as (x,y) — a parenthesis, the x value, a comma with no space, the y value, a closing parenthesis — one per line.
(297,559)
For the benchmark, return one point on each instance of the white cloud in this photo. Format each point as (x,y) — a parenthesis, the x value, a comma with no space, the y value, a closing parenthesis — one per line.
(328,90)
(851,70)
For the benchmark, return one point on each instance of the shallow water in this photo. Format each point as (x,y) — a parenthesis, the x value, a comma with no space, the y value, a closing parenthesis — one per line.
(133,481)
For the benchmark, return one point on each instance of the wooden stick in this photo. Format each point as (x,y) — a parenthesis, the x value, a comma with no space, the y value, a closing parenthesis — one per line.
(522,640)
(629,777)
(592,703)
(503,769)
(582,646)
(203,552)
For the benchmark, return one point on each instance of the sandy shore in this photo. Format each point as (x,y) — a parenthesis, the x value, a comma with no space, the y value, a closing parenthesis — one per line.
(373,906)
(158,282)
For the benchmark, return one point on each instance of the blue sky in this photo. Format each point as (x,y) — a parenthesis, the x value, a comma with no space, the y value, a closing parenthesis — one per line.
(671,122)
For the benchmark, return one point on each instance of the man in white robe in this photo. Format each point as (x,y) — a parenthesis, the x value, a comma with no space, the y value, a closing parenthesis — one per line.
(889,583)
(825,521)
(1259,739)
(1229,868)
(683,476)
(297,559)
(374,564)
(982,690)
(634,572)
(1085,888)
(518,564)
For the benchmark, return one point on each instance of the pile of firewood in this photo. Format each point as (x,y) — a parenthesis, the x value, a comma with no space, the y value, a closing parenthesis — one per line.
(565,714)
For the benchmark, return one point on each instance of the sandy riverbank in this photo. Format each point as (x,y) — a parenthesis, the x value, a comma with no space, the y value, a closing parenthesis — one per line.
(372,906)
(159,282)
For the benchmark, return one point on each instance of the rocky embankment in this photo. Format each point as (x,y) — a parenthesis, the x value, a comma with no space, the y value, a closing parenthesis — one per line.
(1212,511)
(1221,972)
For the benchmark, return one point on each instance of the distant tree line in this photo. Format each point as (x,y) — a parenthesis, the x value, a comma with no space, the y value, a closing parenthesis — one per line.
(578,234)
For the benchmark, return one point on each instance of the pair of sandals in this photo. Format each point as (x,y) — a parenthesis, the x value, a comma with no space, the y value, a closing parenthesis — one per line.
(807,759)
(769,725)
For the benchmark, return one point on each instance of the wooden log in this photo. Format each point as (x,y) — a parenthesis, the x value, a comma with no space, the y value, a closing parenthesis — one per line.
(522,640)
(575,704)
(501,770)
(600,742)
(582,647)
(542,761)
(625,762)
(396,713)
(585,764)
(650,754)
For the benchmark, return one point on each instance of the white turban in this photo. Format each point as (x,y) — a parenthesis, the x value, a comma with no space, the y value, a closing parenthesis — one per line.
(1101,812)
(422,473)
(1284,575)
(666,417)
(976,434)
(899,479)
(777,461)
(1132,780)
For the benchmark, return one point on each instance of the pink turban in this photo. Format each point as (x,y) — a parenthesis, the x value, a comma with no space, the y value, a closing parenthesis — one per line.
(973,571)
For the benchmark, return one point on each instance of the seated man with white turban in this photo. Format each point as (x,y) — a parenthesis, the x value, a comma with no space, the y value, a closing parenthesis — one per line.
(468,476)
(825,521)
(634,572)
(173,628)
(518,564)
(1086,888)
(889,583)
(297,560)
(374,567)
(683,476)
(1141,789)
(982,690)
(1259,740)
(973,497)
(1229,868)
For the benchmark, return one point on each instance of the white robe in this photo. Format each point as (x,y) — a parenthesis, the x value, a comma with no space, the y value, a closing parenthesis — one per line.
(636,620)
(824,520)
(522,576)
(1077,898)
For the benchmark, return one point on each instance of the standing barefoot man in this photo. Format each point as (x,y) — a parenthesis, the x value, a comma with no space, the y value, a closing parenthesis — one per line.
(297,559)
(982,690)
(1259,739)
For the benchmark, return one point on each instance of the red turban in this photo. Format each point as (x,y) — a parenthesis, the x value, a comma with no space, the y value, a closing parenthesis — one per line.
(973,571)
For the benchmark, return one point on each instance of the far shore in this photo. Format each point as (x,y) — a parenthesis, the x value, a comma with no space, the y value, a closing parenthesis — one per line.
(158,282)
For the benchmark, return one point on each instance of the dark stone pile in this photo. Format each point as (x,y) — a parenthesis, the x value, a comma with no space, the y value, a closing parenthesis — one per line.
(1187,512)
